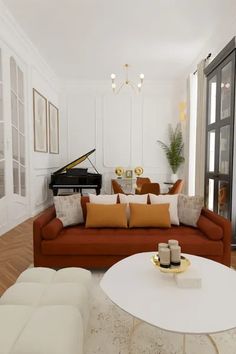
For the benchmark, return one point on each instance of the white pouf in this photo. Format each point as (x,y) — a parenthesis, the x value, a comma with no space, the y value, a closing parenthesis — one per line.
(23,294)
(57,307)
(52,330)
(12,320)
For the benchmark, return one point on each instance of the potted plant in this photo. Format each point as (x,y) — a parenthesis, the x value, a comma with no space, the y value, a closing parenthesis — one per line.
(174,151)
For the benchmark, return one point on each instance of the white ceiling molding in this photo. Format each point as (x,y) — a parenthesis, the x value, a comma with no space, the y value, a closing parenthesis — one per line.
(87,40)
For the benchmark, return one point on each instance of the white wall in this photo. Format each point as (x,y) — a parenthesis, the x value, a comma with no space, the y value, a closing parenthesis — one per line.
(38,75)
(123,128)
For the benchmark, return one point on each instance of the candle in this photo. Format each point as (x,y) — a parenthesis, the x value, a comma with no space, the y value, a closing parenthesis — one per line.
(162,245)
(175,255)
(173,243)
(164,255)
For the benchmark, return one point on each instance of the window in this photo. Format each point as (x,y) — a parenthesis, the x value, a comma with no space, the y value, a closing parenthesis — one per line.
(18,128)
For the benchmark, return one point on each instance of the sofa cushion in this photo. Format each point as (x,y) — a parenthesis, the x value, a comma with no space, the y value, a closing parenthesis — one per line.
(111,241)
(103,198)
(137,199)
(155,215)
(209,228)
(52,229)
(68,209)
(99,215)
(84,201)
(189,209)
(167,199)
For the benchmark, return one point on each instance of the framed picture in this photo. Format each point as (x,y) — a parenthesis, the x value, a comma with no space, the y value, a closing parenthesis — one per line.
(40,122)
(128,173)
(53,129)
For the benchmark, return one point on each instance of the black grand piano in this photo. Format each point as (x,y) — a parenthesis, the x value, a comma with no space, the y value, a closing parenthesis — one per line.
(76,178)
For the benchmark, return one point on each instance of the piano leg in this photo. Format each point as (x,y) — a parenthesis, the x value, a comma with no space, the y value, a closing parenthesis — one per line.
(55,191)
(97,191)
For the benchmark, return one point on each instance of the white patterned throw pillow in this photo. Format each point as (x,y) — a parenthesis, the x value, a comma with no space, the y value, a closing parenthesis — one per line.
(171,199)
(136,198)
(68,209)
(103,198)
(189,209)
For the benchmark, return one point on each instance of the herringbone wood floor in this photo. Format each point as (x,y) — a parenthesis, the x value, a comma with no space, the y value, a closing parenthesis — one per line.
(16,253)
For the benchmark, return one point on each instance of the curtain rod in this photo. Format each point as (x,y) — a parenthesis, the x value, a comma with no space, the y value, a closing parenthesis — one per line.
(209,55)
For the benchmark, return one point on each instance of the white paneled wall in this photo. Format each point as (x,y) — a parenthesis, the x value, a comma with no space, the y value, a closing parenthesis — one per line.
(117,129)
(123,128)
(39,166)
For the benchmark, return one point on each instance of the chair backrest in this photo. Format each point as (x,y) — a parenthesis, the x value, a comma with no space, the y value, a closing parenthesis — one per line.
(153,188)
(177,187)
(116,187)
(141,180)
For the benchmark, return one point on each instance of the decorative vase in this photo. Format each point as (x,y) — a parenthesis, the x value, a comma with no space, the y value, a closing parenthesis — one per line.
(173,177)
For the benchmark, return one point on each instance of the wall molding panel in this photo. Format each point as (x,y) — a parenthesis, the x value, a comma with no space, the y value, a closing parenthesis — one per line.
(126,126)
(117,128)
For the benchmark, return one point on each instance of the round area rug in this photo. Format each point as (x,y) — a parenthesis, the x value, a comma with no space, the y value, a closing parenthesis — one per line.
(113,331)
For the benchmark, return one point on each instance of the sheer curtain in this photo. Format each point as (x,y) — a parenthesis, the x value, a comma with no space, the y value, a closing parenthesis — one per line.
(192,121)
(200,128)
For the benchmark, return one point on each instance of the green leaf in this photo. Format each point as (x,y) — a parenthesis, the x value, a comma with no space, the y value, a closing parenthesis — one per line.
(174,150)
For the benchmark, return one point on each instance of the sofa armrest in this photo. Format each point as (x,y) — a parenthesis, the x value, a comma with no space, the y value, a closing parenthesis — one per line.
(41,221)
(227,232)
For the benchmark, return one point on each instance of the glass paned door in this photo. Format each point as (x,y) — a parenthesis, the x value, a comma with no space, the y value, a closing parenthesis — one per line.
(212,86)
(18,128)
(2,137)
(219,138)
(226,91)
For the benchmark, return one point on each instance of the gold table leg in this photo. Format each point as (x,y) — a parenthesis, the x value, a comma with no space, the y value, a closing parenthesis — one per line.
(213,343)
(210,339)
(184,344)
(137,323)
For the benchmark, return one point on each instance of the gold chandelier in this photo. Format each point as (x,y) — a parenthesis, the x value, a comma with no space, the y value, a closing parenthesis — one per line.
(136,87)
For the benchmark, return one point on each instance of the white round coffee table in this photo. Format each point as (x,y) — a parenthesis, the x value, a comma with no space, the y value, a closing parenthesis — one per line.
(138,287)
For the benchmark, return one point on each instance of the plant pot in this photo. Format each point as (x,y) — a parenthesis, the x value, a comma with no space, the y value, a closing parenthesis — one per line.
(173,177)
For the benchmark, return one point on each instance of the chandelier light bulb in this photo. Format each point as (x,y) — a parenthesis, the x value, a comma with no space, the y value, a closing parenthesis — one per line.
(141,76)
(113,76)
(139,85)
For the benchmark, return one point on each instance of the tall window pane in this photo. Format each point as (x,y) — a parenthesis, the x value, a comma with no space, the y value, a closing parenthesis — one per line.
(212,100)
(18,128)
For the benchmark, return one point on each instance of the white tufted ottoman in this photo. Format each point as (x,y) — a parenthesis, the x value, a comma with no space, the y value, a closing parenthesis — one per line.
(45,312)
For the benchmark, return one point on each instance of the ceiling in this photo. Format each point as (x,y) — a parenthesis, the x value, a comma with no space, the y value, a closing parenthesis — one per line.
(89,39)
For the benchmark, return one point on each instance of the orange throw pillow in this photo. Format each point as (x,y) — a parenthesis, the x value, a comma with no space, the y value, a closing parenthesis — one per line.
(149,215)
(106,215)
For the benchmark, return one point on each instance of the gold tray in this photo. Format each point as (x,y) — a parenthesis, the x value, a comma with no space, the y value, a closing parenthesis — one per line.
(185,263)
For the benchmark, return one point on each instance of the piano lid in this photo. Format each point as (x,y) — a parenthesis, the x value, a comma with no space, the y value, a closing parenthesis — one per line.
(74,163)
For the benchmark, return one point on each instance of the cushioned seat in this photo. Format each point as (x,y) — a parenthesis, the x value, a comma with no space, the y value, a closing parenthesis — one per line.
(51,329)
(55,318)
(80,241)
(12,319)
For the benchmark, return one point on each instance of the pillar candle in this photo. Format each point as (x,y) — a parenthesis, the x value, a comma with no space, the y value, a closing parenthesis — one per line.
(175,255)
(164,255)
(162,245)
(173,243)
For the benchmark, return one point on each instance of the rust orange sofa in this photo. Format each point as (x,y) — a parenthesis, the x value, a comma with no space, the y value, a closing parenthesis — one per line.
(56,246)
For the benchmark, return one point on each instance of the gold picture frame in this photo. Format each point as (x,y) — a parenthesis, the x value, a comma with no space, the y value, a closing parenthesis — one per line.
(129,173)
(40,122)
(53,113)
